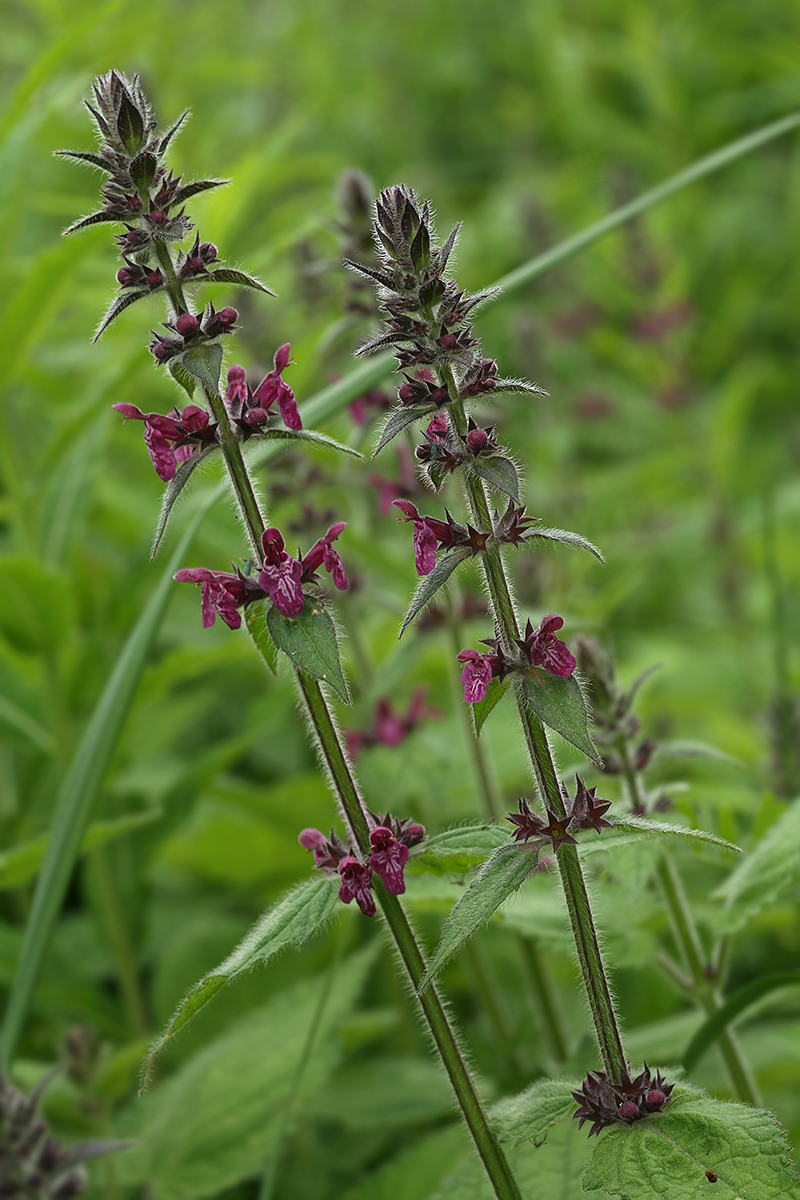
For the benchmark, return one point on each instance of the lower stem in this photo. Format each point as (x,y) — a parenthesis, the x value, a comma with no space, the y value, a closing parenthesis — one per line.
(492,1155)
(353,811)
(572,881)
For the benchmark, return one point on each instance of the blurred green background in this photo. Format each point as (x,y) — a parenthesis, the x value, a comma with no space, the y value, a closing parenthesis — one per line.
(671,439)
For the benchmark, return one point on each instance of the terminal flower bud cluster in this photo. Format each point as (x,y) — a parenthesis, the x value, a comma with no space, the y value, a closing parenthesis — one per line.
(427,317)
(390,844)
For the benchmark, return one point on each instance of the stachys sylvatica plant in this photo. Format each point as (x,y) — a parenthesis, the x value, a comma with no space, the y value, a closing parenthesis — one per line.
(655,1134)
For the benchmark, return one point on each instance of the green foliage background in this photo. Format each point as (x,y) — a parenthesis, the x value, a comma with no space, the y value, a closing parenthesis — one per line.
(671,439)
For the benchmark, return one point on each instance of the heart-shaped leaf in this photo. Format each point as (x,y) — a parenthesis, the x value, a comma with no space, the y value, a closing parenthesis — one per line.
(310,642)
(559,704)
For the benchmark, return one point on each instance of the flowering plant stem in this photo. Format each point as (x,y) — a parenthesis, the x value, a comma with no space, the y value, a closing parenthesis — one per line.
(702,976)
(572,881)
(352,807)
(544,992)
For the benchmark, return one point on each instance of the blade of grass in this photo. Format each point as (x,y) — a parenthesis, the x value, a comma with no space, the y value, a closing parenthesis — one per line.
(736,1004)
(77,796)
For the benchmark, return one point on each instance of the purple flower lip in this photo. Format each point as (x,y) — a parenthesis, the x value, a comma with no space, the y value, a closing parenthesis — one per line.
(250,409)
(172,440)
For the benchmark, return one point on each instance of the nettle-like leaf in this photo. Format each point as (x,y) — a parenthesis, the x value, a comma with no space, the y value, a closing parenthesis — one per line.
(644,827)
(559,704)
(519,386)
(182,377)
(429,585)
(494,694)
(458,850)
(766,873)
(566,537)
(172,492)
(531,1114)
(499,472)
(398,420)
(290,922)
(96,218)
(696,1141)
(195,188)
(498,878)
(276,433)
(204,360)
(119,304)
(309,640)
(232,275)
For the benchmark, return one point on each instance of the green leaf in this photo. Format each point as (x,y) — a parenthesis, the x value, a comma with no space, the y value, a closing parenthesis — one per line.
(498,878)
(182,377)
(429,585)
(290,922)
(231,275)
(20,864)
(255,618)
(27,725)
(766,873)
(548,1172)
(531,1114)
(499,472)
(194,189)
(204,360)
(668,1155)
(458,850)
(494,694)
(741,1000)
(173,491)
(559,703)
(385,1093)
(643,826)
(398,420)
(275,433)
(119,304)
(310,642)
(214,1122)
(566,537)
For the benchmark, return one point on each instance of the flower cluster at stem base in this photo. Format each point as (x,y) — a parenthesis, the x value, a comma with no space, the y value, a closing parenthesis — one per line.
(390,842)
(604,1103)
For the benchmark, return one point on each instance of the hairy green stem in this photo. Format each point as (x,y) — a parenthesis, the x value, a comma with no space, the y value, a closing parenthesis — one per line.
(354,813)
(701,971)
(572,881)
(494,1159)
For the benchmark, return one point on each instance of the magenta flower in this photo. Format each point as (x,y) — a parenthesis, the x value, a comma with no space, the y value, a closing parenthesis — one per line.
(250,409)
(171,440)
(323,554)
(429,534)
(477,674)
(222,594)
(328,852)
(388,858)
(544,649)
(282,577)
(356,885)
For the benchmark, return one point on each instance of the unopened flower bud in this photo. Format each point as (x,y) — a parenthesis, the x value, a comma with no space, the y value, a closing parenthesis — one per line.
(208,252)
(628,1111)
(154,279)
(187,325)
(655,1099)
(477,440)
(157,217)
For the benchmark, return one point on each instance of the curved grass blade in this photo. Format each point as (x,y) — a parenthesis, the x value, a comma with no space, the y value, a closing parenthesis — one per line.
(742,999)
(77,796)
